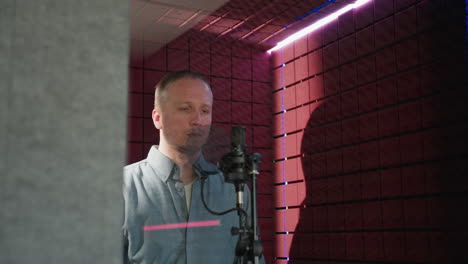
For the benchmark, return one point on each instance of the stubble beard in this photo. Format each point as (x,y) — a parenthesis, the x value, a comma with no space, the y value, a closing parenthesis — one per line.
(192,145)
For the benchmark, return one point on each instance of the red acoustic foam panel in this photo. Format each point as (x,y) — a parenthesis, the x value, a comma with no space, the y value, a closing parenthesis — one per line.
(333,135)
(242,51)
(409,116)
(286,195)
(242,68)
(157,60)
(301,68)
(369,155)
(406,23)
(330,34)
(303,116)
(406,53)
(221,111)
(391,182)
(337,245)
(347,48)
(262,137)
(386,62)
(135,80)
(300,47)
(315,62)
(288,74)
(135,129)
(265,206)
(384,32)
(262,92)
(392,214)
(289,99)
(373,246)
(334,194)
(242,90)
(261,71)
(200,62)
(352,187)
(241,113)
(346,24)
(290,123)
(332,108)
(177,60)
(354,245)
(262,115)
(150,79)
(221,88)
(331,53)
(411,147)
(364,15)
(415,213)
(368,126)
(387,91)
(150,133)
(394,245)
(350,130)
(353,216)
(365,41)
(134,152)
(372,215)
(418,246)
(316,90)
(349,103)
(351,159)
(371,185)
(348,76)
(365,68)
(384,9)
(221,66)
(148,105)
(408,85)
(282,245)
(135,105)
(331,82)
(302,93)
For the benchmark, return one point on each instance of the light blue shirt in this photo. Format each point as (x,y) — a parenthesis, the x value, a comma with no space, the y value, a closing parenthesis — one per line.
(154,196)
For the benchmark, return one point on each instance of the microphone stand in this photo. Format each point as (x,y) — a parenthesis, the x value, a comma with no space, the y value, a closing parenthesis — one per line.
(239,167)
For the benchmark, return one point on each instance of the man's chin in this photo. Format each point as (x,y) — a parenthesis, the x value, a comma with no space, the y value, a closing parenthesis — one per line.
(190,148)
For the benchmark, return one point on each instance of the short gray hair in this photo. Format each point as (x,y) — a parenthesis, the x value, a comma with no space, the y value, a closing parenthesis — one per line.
(163,84)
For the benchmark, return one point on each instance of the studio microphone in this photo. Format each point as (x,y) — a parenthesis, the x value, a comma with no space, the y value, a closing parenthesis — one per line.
(233,164)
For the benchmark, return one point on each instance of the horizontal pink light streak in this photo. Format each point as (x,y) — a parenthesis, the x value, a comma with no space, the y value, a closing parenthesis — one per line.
(320,23)
(182,225)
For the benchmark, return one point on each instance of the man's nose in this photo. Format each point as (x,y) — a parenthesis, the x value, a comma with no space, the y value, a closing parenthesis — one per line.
(197,118)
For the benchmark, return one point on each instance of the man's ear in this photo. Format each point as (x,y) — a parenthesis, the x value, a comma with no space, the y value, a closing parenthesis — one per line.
(156,115)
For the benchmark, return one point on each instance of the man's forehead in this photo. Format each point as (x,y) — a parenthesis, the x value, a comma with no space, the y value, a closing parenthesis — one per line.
(187,86)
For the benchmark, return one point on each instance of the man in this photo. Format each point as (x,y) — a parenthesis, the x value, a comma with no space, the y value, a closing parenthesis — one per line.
(162,192)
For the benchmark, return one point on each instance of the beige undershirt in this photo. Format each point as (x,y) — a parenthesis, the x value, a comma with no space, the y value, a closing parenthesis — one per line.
(188,194)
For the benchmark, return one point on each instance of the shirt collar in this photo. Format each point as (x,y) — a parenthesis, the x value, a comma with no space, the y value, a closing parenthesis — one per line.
(165,168)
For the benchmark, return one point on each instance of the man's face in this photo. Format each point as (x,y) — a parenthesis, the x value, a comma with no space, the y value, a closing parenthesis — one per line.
(184,115)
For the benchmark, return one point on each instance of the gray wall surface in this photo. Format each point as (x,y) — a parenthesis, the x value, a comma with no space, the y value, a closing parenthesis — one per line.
(63,106)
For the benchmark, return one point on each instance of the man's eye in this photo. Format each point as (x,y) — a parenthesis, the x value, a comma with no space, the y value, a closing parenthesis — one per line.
(206,111)
(184,109)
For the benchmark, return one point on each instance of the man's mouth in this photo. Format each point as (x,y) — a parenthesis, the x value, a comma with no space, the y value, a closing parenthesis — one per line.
(195,134)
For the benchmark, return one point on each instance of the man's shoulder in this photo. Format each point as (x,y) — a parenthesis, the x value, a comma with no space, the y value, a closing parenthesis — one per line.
(134,171)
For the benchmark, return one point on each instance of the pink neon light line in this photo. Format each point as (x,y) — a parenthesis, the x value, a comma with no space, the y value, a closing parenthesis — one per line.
(182,225)
(320,23)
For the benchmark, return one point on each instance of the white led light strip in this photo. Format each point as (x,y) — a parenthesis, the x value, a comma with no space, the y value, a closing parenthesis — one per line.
(322,22)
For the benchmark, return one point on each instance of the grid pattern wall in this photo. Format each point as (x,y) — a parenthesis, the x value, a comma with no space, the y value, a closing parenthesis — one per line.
(240,79)
(369,138)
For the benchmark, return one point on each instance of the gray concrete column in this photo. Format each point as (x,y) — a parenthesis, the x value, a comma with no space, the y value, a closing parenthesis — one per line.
(63,105)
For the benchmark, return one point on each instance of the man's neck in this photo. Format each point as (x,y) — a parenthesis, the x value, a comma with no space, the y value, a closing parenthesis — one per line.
(183,160)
